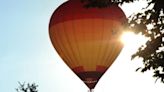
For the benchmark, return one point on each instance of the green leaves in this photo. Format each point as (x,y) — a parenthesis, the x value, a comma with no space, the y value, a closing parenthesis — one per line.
(27,87)
(97,3)
(104,3)
(153,51)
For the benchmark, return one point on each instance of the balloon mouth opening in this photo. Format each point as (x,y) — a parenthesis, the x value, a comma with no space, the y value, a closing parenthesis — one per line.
(91,83)
(90,78)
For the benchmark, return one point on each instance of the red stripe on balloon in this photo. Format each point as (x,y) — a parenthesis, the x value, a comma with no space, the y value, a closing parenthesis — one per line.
(100,68)
(73,10)
(78,69)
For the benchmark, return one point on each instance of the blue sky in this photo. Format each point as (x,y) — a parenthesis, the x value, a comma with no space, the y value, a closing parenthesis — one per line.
(26,54)
(25,46)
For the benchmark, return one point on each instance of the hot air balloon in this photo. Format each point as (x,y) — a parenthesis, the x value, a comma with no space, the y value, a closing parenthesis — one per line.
(87,39)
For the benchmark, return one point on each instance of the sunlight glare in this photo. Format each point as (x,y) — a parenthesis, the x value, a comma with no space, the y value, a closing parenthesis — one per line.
(127,38)
(132,40)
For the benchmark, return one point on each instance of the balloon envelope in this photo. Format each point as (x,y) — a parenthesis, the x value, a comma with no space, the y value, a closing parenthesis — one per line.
(87,39)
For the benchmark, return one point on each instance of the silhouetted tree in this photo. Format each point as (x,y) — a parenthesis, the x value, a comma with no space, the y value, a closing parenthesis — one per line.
(27,87)
(150,23)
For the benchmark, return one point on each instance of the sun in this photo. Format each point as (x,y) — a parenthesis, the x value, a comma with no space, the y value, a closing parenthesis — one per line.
(127,38)
(132,40)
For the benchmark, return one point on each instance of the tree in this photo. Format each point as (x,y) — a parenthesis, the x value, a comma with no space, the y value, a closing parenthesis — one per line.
(27,87)
(151,24)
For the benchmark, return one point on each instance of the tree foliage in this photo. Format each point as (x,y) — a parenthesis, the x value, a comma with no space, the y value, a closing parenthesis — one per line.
(27,87)
(150,23)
